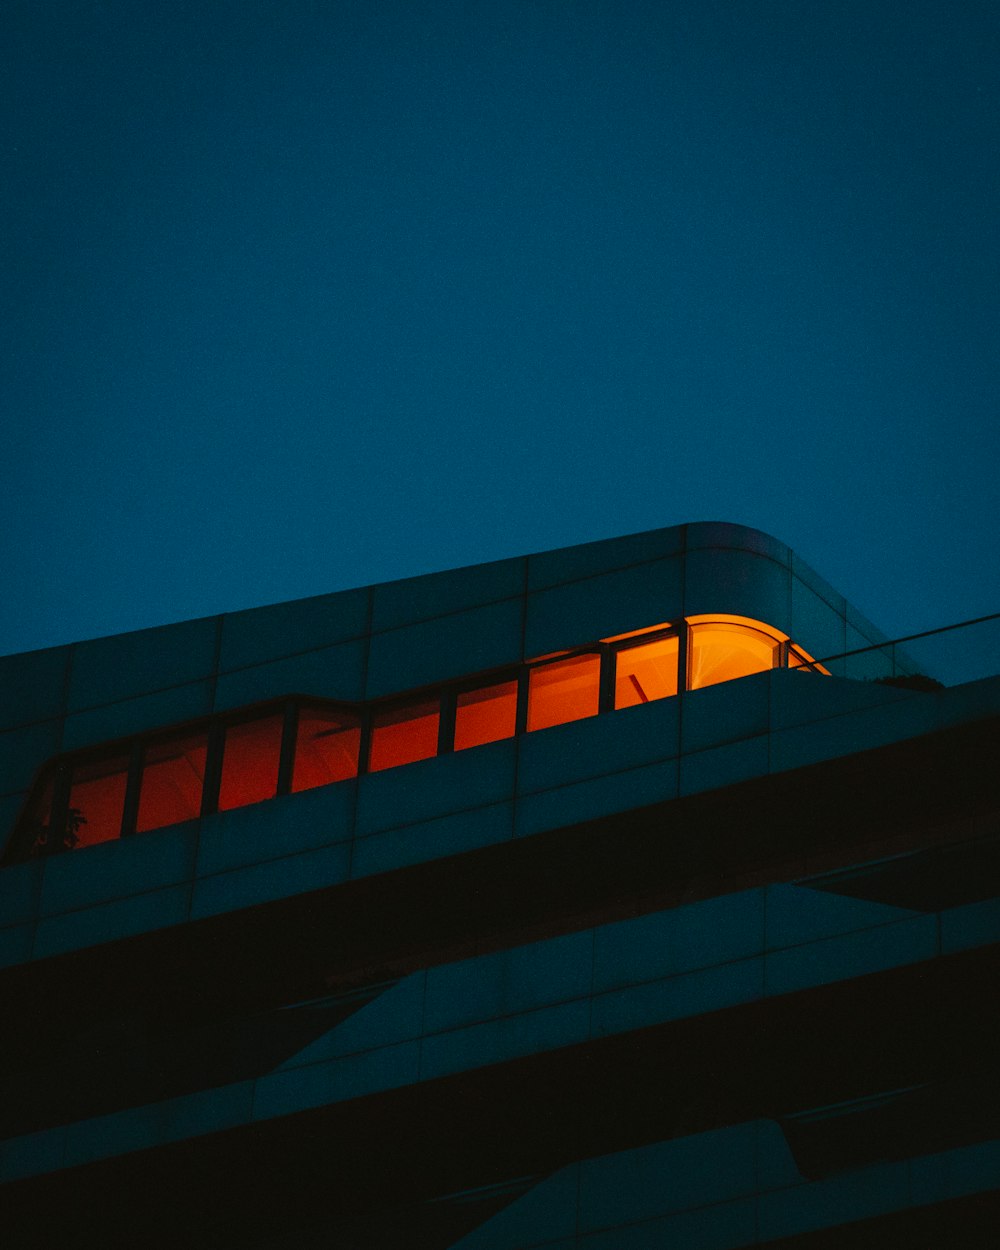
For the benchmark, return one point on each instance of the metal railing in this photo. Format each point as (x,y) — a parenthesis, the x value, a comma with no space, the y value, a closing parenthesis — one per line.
(950,655)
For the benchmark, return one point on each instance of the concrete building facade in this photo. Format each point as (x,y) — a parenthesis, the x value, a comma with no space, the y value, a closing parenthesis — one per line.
(604,898)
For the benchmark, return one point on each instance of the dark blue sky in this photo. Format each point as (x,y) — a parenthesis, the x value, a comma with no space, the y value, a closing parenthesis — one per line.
(303,295)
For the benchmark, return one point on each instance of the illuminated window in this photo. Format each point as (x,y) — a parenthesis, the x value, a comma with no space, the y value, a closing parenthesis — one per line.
(86,796)
(97,801)
(723,648)
(563,691)
(173,774)
(485,715)
(250,761)
(326,747)
(403,735)
(646,672)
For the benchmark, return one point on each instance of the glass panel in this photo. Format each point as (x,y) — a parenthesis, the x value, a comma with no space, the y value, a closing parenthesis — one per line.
(645,673)
(564,691)
(485,715)
(173,772)
(96,802)
(250,762)
(326,748)
(722,652)
(402,735)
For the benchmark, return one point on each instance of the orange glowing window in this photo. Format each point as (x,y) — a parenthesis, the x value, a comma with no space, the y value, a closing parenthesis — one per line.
(563,691)
(646,672)
(173,774)
(403,735)
(326,747)
(250,762)
(485,715)
(723,648)
(97,801)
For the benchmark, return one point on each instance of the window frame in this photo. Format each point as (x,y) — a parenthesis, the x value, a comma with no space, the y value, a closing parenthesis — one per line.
(426,694)
(23,843)
(560,657)
(779,654)
(290,737)
(641,640)
(231,720)
(140,749)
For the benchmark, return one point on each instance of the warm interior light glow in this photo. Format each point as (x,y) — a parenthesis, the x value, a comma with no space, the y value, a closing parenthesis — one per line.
(723,618)
(326,748)
(563,691)
(97,801)
(563,688)
(250,762)
(402,735)
(485,715)
(173,773)
(726,647)
(646,672)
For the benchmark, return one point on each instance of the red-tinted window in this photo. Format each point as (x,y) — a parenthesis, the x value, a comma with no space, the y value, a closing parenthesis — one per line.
(564,690)
(485,715)
(402,735)
(326,748)
(173,773)
(250,761)
(97,801)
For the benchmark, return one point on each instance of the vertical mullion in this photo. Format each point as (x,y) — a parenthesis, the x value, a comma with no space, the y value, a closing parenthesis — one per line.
(59,816)
(524,685)
(289,736)
(446,720)
(130,813)
(606,694)
(213,768)
(521,716)
(364,749)
(683,650)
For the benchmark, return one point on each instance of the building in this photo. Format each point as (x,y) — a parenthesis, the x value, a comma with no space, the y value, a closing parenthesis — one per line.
(655,917)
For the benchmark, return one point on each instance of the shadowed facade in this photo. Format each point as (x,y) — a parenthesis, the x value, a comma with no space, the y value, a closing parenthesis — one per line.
(593,899)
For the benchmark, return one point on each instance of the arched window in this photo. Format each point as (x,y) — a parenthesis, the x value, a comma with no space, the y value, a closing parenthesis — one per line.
(722,648)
